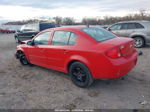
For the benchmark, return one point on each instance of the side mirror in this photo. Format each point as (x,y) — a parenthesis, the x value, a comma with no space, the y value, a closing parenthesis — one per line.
(30,43)
(108,29)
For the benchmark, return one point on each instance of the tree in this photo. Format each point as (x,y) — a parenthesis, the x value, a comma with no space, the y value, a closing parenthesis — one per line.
(89,21)
(68,21)
(142,13)
(58,20)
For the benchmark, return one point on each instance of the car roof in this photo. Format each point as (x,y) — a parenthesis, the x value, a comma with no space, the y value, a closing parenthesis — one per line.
(39,23)
(137,21)
(67,28)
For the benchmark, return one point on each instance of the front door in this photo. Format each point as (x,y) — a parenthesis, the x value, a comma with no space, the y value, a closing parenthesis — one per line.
(37,51)
(117,29)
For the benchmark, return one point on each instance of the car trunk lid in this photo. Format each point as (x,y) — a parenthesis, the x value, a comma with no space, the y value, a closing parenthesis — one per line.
(125,46)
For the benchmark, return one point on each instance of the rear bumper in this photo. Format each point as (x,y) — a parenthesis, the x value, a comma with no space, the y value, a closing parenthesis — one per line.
(118,67)
(125,66)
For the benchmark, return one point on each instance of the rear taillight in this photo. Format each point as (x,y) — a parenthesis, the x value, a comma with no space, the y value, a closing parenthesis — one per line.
(114,53)
(122,50)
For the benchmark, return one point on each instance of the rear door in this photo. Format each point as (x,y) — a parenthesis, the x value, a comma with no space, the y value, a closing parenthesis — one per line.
(60,49)
(133,28)
(130,28)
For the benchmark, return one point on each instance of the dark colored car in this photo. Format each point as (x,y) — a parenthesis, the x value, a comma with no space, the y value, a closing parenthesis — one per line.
(85,53)
(28,31)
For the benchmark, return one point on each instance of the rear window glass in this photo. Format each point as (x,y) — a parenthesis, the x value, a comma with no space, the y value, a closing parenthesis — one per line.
(64,38)
(131,26)
(72,39)
(60,38)
(139,25)
(98,34)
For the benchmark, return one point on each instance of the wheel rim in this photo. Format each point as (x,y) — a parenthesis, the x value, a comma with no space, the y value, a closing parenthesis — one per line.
(79,74)
(24,60)
(138,42)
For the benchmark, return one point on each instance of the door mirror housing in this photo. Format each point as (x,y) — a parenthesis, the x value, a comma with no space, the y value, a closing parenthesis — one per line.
(108,29)
(30,43)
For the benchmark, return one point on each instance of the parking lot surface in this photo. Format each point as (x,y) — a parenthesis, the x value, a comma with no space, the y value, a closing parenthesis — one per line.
(28,87)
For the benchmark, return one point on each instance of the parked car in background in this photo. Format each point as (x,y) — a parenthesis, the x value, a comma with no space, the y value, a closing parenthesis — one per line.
(11,30)
(28,31)
(86,53)
(4,30)
(138,30)
(1,30)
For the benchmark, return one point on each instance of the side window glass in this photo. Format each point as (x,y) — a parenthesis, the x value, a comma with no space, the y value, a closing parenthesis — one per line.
(42,39)
(139,26)
(131,26)
(115,27)
(60,38)
(72,39)
(124,26)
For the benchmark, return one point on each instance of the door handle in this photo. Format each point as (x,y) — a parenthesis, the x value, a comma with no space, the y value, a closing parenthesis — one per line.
(42,50)
(66,51)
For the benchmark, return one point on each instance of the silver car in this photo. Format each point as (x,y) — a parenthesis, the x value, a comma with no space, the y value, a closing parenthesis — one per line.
(138,30)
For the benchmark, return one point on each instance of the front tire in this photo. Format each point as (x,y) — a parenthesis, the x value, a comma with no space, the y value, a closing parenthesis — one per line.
(80,75)
(17,40)
(23,60)
(138,42)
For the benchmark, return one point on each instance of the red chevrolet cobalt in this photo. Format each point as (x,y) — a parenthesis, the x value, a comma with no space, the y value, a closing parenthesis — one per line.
(86,53)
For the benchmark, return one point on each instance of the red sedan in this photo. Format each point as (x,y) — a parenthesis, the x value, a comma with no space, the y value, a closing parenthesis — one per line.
(86,53)
(6,31)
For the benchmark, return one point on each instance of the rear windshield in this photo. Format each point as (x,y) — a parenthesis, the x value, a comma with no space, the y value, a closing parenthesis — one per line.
(98,34)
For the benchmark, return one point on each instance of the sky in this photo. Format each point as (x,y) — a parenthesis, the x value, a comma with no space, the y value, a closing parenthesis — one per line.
(78,9)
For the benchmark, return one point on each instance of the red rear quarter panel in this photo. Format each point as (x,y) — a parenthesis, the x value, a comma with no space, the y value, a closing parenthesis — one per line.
(87,51)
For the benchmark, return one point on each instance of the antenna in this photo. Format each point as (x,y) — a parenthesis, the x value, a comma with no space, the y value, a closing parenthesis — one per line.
(88,25)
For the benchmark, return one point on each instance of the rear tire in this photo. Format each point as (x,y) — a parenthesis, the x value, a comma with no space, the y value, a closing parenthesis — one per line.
(80,75)
(138,42)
